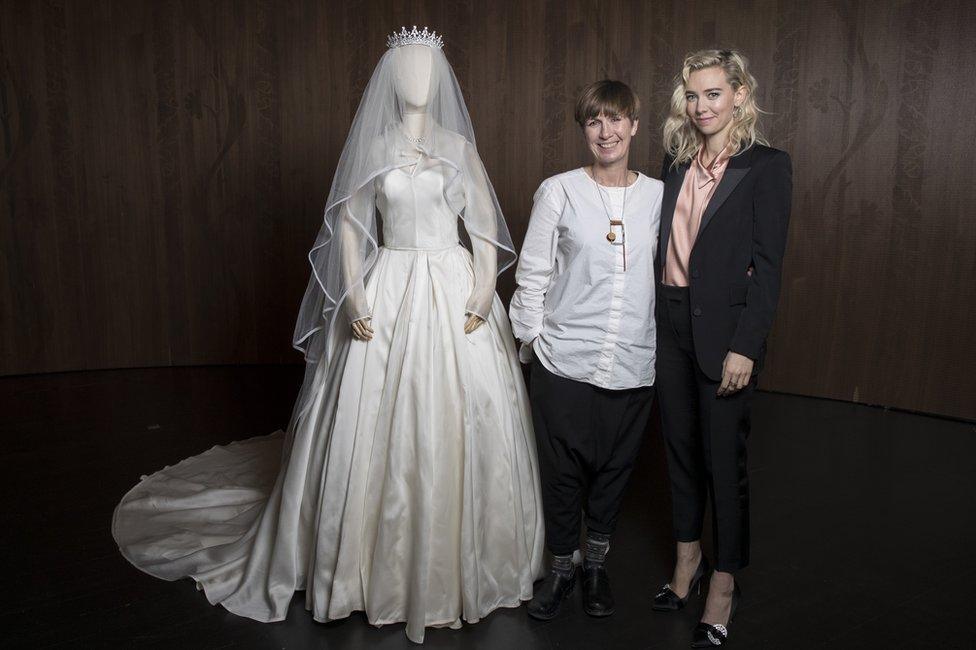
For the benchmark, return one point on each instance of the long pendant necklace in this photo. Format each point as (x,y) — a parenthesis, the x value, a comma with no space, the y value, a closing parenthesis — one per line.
(612,236)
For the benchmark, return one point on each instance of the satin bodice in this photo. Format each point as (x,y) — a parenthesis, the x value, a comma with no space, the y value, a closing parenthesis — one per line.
(415,212)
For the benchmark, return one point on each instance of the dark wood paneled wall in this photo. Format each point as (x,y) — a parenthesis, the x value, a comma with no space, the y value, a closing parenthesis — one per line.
(163,166)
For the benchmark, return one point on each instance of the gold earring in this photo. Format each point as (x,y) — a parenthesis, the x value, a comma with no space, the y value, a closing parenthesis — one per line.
(737,112)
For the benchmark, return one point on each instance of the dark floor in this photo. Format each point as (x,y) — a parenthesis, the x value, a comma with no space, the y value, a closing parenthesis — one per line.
(864,525)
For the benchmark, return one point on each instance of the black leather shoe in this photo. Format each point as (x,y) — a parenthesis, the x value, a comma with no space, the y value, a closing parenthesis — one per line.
(707,635)
(668,601)
(550,595)
(597,597)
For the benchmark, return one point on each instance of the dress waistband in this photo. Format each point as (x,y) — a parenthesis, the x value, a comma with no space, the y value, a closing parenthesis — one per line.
(419,249)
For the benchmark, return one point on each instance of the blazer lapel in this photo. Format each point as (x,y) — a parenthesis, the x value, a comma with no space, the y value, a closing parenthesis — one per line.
(672,187)
(738,167)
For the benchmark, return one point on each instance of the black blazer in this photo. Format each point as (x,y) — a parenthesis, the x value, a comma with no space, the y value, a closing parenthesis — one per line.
(744,226)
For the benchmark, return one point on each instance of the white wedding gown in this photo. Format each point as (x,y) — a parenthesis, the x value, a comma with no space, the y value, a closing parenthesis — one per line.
(409,488)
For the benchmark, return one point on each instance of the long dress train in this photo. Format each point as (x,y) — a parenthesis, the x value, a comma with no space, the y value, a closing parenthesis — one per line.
(406,488)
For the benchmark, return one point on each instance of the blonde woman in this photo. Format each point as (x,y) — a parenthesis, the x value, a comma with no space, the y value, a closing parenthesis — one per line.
(724,219)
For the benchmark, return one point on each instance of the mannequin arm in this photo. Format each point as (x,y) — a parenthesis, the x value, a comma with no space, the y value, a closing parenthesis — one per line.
(480,221)
(353,242)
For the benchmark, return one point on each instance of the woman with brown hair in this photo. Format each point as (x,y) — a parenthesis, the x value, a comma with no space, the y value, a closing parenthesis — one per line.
(584,309)
(723,231)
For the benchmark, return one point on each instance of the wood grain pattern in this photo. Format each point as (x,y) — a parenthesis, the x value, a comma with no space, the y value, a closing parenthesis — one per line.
(163,166)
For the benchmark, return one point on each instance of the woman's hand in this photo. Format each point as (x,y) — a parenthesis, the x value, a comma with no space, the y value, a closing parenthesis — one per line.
(361,329)
(473,323)
(736,373)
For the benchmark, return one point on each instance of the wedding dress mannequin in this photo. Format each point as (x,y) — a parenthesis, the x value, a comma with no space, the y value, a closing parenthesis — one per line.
(412,78)
(406,485)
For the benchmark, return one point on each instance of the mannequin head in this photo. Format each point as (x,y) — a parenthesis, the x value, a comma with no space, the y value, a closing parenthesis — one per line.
(412,76)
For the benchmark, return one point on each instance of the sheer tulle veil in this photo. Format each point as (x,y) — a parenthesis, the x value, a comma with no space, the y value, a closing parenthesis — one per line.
(347,243)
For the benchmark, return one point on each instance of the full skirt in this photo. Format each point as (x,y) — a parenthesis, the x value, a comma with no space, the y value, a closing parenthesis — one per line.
(406,487)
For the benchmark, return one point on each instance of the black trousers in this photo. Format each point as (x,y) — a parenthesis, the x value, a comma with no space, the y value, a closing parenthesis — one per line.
(588,439)
(705,438)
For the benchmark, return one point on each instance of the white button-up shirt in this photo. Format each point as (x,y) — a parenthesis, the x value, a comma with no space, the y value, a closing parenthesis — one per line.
(585,316)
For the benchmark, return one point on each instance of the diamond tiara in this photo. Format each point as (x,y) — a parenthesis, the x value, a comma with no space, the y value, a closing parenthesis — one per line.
(414,37)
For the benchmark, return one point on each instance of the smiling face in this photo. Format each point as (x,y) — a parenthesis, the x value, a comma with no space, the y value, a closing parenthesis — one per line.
(608,137)
(711,101)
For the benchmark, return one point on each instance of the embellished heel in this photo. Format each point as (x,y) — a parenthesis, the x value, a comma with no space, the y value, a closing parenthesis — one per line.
(668,601)
(707,635)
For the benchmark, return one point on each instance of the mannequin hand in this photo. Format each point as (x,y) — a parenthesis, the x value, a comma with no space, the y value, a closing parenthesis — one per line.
(361,329)
(473,323)
(736,373)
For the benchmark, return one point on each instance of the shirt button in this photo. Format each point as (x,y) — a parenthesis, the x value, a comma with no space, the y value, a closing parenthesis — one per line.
(697,312)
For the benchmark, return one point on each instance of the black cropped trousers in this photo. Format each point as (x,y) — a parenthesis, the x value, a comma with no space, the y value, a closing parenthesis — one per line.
(705,438)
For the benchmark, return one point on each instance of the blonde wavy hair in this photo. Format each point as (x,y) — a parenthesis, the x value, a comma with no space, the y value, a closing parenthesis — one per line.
(681,139)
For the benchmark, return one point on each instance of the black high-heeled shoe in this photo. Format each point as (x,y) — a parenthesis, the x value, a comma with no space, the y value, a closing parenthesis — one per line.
(668,601)
(707,635)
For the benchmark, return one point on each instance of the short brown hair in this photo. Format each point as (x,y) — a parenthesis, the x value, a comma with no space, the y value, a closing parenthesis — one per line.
(608,97)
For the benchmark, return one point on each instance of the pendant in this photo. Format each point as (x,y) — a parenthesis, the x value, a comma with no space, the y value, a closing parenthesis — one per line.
(611,237)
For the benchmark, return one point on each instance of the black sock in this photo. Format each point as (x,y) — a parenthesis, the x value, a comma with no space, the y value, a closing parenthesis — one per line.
(597,545)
